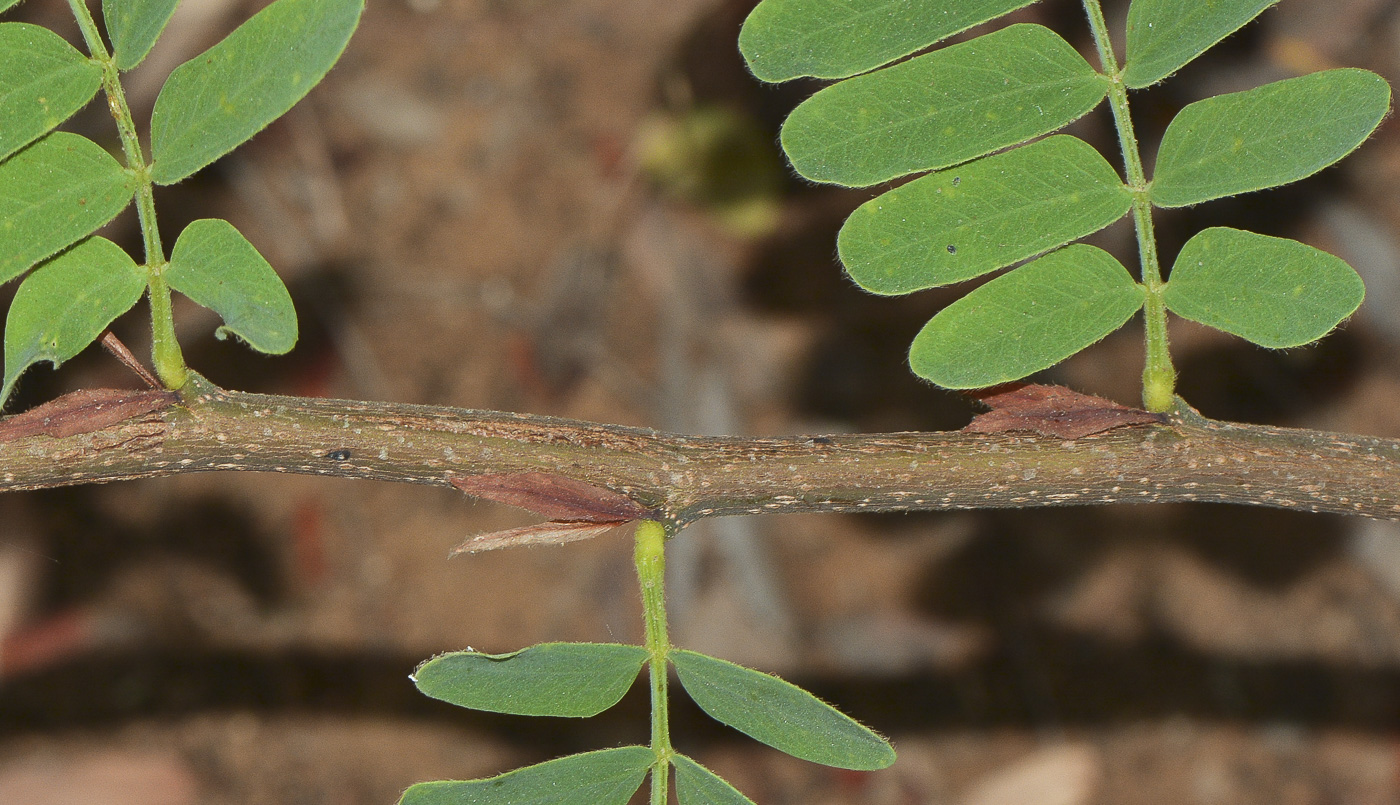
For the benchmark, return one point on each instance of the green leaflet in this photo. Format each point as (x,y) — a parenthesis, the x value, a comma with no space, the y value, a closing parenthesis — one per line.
(1163,35)
(224,96)
(6,4)
(551,679)
(43,81)
(964,222)
(1272,291)
(605,777)
(786,39)
(697,785)
(66,303)
(133,26)
(947,107)
(53,193)
(1027,320)
(214,265)
(1267,136)
(779,713)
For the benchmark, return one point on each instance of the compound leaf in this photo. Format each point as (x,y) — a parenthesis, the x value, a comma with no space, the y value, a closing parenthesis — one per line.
(1028,320)
(1272,291)
(786,39)
(1267,136)
(551,679)
(1163,35)
(224,96)
(133,26)
(54,193)
(213,264)
(697,785)
(963,222)
(66,303)
(43,81)
(947,107)
(779,713)
(605,777)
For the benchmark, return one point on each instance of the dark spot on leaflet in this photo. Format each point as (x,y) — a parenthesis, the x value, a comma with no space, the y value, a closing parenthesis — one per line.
(952,249)
(338,455)
(957,180)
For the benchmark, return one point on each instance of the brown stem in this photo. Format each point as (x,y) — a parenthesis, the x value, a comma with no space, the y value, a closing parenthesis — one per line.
(114,345)
(685,478)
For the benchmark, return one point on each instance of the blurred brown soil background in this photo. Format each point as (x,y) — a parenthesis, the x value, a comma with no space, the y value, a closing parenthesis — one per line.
(576,207)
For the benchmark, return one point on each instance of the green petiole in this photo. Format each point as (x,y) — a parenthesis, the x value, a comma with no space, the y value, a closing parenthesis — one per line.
(169,361)
(1158,375)
(651,576)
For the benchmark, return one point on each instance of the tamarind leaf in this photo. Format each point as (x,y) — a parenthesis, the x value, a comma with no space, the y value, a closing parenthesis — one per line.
(214,102)
(1027,320)
(43,81)
(697,785)
(946,107)
(53,193)
(66,303)
(134,26)
(964,222)
(786,39)
(778,713)
(214,265)
(550,679)
(7,4)
(1164,35)
(1274,292)
(604,777)
(1266,136)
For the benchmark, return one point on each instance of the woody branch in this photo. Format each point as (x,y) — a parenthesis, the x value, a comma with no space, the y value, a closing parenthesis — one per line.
(684,478)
